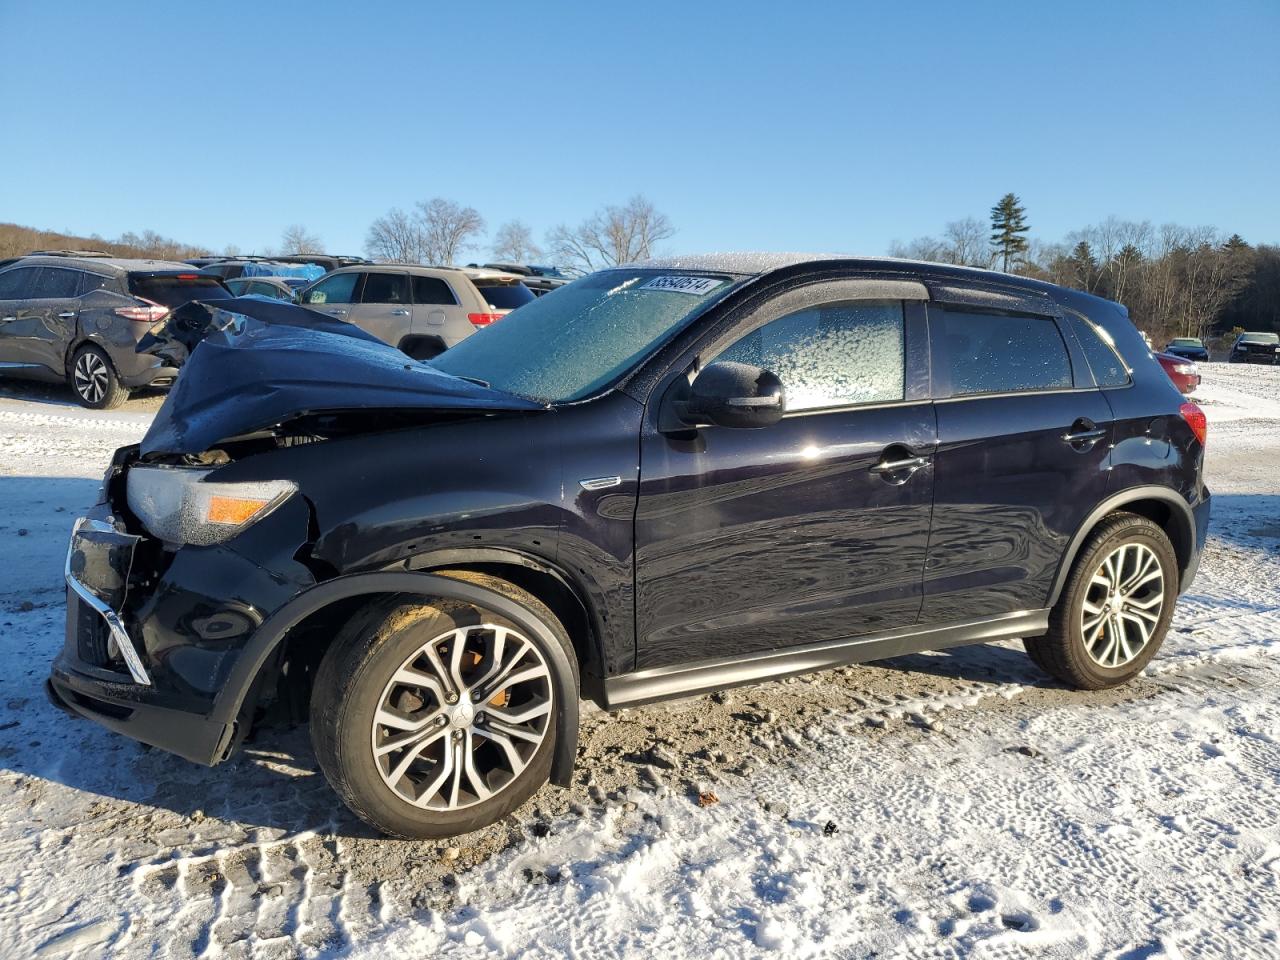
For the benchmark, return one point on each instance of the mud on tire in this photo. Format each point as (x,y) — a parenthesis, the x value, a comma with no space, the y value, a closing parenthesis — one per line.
(432,718)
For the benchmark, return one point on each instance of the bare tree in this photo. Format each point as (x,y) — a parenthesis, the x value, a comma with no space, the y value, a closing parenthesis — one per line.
(397,236)
(298,239)
(513,243)
(921,248)
(968,244)
(611,236)
(447,229)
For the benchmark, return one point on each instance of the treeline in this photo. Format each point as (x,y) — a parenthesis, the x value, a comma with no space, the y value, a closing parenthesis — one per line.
(17,240)
(1174,280)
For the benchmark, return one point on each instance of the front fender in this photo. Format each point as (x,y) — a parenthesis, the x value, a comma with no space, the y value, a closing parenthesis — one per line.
(234,697)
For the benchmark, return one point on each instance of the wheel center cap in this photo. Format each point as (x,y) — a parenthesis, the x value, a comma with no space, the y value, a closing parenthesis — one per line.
(462,714)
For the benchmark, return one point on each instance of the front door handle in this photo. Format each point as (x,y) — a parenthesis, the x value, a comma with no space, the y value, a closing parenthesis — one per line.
(1084,433)
(7,319)
(399,313)
(897,471)
(67,315)
(338,313)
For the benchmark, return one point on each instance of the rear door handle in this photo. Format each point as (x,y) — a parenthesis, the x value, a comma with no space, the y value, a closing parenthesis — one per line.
(7,319)
(399,313)
(67,315)
(907,466)
(1083,434)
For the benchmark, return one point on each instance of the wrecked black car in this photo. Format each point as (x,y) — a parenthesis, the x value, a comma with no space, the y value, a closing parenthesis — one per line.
(663,480)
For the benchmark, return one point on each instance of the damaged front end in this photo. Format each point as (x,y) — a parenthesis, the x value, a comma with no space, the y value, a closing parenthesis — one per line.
(206,528)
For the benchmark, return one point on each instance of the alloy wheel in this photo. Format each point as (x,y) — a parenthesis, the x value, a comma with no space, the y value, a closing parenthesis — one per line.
(91,375)
(462,717)
(1122,605)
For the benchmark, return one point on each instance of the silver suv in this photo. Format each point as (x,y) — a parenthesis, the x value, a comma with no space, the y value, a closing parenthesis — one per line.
(422,310)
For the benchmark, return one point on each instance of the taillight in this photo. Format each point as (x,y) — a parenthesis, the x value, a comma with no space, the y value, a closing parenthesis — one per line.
(1195,420)
(146,312)
(483,319)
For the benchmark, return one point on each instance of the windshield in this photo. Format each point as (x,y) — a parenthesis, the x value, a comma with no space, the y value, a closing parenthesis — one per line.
(578,340)
(1260,338)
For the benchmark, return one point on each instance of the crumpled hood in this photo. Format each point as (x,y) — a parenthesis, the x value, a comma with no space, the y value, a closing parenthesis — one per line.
(253,364)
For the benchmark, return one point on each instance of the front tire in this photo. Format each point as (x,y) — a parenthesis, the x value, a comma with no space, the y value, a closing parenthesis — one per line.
(93,379)
(1115,608)
(433,718)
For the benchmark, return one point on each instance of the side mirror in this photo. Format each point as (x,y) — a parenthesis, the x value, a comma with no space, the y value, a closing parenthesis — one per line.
(731,394)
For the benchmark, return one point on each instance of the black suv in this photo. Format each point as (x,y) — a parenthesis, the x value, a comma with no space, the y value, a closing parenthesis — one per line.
(1255,348)
(78,318)
(667,479)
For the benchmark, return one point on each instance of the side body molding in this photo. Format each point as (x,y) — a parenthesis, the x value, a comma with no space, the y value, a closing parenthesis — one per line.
(268,637)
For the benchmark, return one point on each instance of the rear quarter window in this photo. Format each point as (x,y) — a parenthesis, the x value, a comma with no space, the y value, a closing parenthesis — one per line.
(1100,352)
(433,291)
(1003,353)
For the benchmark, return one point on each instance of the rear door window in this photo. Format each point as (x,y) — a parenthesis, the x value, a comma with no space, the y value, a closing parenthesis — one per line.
(385,288)
(1002,353)
(56,283)
(18,284)
(339,288)
(175,289)
(433,291)
(1100,352)
(834,355)
(504,296)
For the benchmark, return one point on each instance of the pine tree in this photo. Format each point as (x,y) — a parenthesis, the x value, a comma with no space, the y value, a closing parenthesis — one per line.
(1084,265)
(1008,230)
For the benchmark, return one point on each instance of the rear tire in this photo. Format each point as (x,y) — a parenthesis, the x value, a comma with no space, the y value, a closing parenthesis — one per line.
(1115,607)
(93,379)
(455,754)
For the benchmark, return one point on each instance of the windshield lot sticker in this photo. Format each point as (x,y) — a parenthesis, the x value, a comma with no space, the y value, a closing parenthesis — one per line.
(695,285)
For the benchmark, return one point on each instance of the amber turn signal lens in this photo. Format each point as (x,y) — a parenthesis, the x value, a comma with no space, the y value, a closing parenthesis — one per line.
(233,511)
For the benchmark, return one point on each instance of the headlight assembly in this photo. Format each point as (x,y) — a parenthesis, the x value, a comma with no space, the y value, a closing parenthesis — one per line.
(178,505)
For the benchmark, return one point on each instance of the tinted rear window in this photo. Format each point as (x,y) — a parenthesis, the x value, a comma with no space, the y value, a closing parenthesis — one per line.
(175,289)
(56,283)
(1004,353)
(385,288)
(504,296)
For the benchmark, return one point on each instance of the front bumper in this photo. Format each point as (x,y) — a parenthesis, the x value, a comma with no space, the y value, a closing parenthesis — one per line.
(152,633)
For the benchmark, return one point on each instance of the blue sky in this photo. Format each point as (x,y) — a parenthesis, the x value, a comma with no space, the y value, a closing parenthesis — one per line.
(752,126)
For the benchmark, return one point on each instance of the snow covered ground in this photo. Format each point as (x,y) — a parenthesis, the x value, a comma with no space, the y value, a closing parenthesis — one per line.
(943,805)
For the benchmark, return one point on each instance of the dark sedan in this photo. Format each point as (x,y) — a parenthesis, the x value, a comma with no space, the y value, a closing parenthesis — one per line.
(1192,348)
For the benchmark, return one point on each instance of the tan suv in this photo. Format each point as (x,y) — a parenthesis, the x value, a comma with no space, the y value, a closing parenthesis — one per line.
(422,310)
